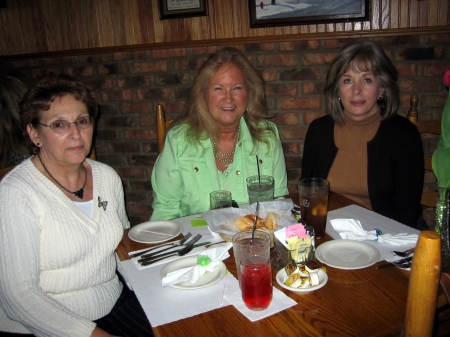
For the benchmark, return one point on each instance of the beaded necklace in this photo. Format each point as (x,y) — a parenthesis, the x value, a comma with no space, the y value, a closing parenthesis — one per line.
(225,157)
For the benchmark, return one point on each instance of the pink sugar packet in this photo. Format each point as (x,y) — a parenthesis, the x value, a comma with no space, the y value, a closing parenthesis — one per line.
(296,230)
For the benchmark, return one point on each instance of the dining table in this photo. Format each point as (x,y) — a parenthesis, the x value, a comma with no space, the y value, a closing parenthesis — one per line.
(358,302)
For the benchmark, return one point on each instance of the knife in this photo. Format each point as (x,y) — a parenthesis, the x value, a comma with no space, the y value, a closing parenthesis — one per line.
(395,263)
(181,252)
(148,258)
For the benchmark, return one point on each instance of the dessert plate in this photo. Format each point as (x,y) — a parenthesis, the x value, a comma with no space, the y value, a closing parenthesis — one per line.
(147,232)
(206,280)
(281,275)
(347,254)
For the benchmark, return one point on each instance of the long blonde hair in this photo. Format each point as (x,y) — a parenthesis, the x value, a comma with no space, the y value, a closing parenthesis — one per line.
(196,114)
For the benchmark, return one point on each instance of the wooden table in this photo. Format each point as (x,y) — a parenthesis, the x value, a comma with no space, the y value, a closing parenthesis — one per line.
(363,302)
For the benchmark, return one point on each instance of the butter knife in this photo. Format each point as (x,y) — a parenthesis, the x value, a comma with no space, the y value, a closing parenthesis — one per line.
(395,263)
(181,252)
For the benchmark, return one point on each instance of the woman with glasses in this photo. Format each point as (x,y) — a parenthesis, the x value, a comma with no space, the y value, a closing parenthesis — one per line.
(61,218)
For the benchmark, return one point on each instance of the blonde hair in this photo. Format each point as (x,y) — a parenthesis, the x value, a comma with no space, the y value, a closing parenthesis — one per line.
(196,114)
(366,56)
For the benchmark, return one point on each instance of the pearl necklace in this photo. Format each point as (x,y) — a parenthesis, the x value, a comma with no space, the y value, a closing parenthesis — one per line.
(79,194)
(216,150)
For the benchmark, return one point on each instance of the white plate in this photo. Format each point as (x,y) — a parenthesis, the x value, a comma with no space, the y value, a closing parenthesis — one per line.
(323,279)
(206,280)
(347,254)
(172,228)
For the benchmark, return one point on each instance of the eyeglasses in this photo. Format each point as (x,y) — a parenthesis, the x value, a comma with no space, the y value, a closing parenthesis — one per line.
(61,126)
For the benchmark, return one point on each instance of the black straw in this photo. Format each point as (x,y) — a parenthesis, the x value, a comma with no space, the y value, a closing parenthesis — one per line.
(259,175)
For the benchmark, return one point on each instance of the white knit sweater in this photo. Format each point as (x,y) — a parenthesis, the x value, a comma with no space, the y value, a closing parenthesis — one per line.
(57,266)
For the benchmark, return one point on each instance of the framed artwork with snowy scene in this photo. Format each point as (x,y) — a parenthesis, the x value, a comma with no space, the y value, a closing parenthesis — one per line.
(269,13)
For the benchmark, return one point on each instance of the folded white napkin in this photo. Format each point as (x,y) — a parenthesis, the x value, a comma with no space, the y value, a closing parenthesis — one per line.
(352,229)
(279,303)
(216,254)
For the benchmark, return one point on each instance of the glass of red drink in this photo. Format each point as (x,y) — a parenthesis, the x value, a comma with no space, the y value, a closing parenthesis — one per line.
(256,282)
(313,202)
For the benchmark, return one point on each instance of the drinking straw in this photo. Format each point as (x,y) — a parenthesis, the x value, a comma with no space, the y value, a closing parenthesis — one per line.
(259,174)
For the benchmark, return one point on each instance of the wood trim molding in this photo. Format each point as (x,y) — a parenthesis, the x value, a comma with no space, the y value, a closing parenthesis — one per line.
(245,40)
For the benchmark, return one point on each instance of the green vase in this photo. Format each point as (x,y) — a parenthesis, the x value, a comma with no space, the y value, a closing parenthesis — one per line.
(442,225)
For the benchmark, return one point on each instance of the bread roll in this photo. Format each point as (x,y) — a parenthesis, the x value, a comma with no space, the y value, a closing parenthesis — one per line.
(271,221)
(246,223)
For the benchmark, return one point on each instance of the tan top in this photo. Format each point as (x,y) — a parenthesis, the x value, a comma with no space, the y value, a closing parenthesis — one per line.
(348,174)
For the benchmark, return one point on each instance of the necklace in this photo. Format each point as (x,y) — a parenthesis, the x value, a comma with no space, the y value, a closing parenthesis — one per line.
(224,155)
(79,194)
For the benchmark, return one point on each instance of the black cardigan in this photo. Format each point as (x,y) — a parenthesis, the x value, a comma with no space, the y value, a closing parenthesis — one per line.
(395,170)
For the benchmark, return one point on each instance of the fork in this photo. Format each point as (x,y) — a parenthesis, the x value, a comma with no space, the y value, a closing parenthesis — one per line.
(171,245)
(189,246)
(406,253)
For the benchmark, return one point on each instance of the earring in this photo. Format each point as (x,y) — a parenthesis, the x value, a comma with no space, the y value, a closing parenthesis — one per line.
(339,98)
(38,144)
(380,98)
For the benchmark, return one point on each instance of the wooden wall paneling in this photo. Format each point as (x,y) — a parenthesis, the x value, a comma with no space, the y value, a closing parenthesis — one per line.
(66,34)
(162,27)
(52,24)
(131,18)
(145,19)
(104,25)
(7,18)
(394,12)
(117,19)
(443,12)
(404,13)
(385,13)
(197,27)
(87,9)
(375,14)
(77,34)
(422,13)
(433,10)
(39,27)
(413,18)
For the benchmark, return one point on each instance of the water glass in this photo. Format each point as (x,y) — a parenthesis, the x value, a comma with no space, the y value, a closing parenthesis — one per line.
(256,282)
(243,248)
(313,199)
(260,188)
(219,199)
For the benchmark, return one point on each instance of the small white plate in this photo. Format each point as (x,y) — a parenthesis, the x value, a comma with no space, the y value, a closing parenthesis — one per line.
(347,254)
(206,280)
(323,279)
(138,233)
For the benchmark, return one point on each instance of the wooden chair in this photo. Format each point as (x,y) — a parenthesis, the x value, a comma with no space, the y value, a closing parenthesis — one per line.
(161,126)
(423,286)
(430,127)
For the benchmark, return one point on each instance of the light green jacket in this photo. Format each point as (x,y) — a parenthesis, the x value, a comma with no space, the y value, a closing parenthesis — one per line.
(185,174)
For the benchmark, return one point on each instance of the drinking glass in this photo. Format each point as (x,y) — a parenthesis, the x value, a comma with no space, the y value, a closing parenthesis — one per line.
(313,198)
(219,199)
(256,282)
(243,248)
(260,188)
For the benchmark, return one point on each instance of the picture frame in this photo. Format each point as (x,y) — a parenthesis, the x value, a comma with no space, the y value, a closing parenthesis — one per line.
(173,9)
(272,13)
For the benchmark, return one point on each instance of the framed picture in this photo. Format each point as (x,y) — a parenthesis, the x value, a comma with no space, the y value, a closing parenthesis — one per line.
(172,9)
(267,13)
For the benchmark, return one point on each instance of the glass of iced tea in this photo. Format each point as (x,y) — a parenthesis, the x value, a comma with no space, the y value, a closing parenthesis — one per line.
(313,199)
(256,282)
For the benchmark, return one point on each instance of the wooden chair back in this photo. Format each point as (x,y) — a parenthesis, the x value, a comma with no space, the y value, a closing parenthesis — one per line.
(161,126)
(430,127)
(423,286)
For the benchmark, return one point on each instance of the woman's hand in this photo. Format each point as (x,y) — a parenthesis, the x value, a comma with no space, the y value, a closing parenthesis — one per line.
(101,333)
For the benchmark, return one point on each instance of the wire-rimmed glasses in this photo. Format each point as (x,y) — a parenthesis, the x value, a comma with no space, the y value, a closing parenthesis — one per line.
(61,126)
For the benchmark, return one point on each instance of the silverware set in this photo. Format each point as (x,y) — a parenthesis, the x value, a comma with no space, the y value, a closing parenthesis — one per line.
(169,244)
(404,263)
(150,258)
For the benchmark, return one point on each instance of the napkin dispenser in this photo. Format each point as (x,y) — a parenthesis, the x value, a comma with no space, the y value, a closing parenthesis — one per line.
(305,251)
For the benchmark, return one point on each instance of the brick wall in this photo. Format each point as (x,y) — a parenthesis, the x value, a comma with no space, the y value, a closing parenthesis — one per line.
(128,85)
